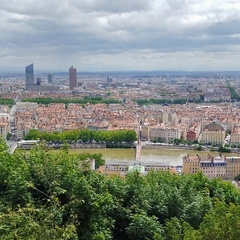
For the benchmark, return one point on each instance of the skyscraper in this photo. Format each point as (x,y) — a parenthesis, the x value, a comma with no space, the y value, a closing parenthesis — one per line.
(29,75)
(50,78)
(38,80)
(72,77)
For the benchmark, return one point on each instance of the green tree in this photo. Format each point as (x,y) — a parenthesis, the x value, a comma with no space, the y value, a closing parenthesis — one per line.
(222,222)
(144,227)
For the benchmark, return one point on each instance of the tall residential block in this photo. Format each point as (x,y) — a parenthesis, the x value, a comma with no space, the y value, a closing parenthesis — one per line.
(29,75)
(72,77)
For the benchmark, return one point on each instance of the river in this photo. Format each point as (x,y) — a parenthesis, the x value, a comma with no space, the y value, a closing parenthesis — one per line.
(174,156)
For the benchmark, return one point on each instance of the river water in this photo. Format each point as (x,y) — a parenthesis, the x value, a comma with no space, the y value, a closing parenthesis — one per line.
(173,156)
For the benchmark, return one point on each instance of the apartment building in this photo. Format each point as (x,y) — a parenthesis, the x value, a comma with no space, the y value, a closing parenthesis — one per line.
(220,167)
(235,137)
(213,133)
(164,133)
(145,132)
(233,167)
(4,124)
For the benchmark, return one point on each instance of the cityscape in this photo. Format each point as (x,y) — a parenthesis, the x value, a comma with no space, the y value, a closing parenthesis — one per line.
(186,110)
(120,120)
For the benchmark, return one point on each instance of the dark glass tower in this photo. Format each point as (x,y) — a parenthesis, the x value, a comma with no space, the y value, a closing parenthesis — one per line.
(29,74)
(72,77)
(50,78)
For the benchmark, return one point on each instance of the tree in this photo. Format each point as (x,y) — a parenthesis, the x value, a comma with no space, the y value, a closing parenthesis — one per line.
(222,222)
(144,227)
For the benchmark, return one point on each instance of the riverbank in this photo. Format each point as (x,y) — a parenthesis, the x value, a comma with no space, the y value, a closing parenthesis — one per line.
(173,156)
(169,146)
(166,146)
(144,146)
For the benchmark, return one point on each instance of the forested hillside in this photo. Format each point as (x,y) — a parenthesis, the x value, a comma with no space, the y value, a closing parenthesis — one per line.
(47,195)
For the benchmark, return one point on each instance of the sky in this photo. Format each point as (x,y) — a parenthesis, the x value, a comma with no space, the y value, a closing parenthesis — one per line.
(115,35)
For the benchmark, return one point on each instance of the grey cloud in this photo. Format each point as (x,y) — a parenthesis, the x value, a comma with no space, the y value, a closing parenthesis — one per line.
(225,27)
(68,29)
(112,6)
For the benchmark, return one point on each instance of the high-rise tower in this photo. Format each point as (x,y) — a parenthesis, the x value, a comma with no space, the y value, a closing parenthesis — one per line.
(50,78)
(72,77)
(29,75)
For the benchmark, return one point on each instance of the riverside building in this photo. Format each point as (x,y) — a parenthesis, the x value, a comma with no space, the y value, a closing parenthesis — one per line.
(221,167)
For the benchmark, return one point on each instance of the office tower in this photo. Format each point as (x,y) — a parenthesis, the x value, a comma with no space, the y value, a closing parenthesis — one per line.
(50,78)
(109,79)
(38,81)
(29,75)
(72,77)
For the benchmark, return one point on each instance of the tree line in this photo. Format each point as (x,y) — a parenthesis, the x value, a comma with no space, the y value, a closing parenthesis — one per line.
(84,136)
(85,100)
(46,195)
(234,95)
(165,101)
(6,101)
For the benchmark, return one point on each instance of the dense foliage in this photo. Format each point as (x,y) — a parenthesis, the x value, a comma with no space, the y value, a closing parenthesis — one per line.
(5,101)
(84,136)
(164,101)
(46,195)
(234,95)
(92,100)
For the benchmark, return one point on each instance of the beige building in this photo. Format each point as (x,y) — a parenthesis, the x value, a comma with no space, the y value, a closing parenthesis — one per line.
(164,133)
(212,137)
(4,129)
(220,167)
(4,124)
(235,136)
(213,133)
(145,132)
(233,167)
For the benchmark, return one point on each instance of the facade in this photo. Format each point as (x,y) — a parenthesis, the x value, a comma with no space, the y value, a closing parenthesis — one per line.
(38,81)
(144,132)
(213,133)
(4,124)
(123,167)
(29,75)
(212,137)
(235,137)
(164,133)
(220,167)
(72,77)
(4,129)
(50,78)
(191,135)
(233,167)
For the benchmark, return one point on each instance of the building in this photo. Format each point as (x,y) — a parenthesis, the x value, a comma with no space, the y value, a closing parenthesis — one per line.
(213,133)
(164,133)
(191,135)
(123,167)
(220,167)
(50,78)
(72,77)
(27,144)
(233,167)
(38,81)
(29,75)
(235,137)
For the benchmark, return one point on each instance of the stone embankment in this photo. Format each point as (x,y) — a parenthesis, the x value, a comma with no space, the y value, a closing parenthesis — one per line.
(155,145)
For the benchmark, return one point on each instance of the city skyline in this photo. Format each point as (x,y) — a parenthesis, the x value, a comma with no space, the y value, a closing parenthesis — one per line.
(120,36)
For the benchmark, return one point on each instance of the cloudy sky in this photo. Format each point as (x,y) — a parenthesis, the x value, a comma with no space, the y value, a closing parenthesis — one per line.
(106,35)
